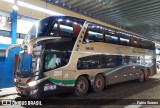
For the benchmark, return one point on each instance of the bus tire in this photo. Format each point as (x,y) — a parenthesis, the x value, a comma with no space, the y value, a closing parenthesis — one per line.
(141,77)
(147,75)
(81,86)
(99,83)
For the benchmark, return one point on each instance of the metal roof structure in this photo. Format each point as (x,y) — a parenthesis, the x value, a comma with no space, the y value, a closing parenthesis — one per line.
(138,16)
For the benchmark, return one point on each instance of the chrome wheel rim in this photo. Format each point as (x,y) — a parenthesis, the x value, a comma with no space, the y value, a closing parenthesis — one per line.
(81,86)
(98,82)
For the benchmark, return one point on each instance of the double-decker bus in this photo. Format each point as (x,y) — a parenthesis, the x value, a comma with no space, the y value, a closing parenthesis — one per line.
(67,53)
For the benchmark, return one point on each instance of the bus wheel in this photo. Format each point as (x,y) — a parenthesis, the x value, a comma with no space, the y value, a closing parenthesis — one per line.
(98,85)
(147,75)
(141,77)
(81,87)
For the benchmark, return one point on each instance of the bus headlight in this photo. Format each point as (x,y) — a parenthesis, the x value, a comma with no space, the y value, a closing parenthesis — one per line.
(32,83)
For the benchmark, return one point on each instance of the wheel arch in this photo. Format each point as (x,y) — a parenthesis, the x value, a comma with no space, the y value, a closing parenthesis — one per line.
(85,75)
(105,78)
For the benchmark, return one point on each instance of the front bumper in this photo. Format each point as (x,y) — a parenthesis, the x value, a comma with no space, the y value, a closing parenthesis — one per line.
(26,90)
(44,88)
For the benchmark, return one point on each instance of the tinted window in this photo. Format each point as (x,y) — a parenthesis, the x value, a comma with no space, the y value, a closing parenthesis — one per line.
(57,53)
(65,29)
(107,61)
(151,45)
(124,38)
(125,60)
(55,59)
(96,62)
(94,33)
(134,59)
(110,36)
(98,33)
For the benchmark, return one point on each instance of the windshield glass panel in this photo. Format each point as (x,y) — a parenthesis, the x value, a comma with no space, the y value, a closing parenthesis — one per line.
(55,59)
(57,53)
(24,62)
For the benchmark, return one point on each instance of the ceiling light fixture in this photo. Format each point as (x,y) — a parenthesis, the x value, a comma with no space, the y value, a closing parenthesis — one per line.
(15,7)
(34,7)
(10,1)
(37,8)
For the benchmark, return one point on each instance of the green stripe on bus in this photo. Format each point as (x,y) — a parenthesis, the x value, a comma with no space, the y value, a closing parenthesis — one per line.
(61,81)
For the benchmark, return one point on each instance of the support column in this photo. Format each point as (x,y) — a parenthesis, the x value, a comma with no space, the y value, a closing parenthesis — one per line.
(13,26)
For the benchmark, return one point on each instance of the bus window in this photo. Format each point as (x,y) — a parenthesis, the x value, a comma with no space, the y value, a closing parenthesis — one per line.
(53,60)
(62,29)
(110,36)
(124,39)
(65,29)
(150,45)
(96,62)
(94,33)
(118,60)
(125,60)
(111,39)
(134,59)
(143,43)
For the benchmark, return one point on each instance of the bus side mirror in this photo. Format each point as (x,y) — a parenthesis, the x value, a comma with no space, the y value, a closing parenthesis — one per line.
(11,47)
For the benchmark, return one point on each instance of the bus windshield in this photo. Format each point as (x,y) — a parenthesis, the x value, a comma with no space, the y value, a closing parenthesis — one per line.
(55,27)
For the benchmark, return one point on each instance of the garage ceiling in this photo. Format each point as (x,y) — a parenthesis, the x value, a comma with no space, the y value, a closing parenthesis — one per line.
(138,16)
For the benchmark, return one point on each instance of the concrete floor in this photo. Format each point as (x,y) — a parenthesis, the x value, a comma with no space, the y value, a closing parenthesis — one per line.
(127,90)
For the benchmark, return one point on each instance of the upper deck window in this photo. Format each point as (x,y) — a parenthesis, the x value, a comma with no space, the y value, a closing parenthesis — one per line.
(94,33)
(62,29)
(110,36)
(124,38)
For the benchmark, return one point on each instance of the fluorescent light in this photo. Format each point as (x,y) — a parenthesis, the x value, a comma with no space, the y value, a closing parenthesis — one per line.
(37,8)
(15,7)
(10,1)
